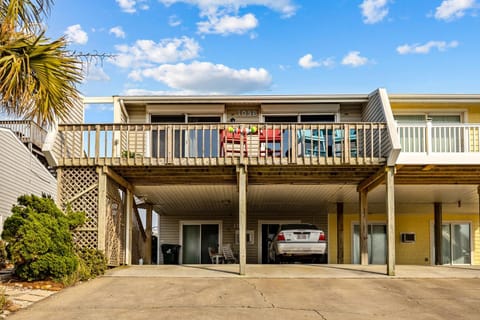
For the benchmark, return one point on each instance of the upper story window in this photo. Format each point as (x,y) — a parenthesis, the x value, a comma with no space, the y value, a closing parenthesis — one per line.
(168,118)
(301,118)
(435,118)
(317,118)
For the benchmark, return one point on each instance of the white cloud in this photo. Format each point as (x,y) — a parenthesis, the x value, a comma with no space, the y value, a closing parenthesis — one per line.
(117,31)
(207,7)
(174,21)
(146,53)
(130,6)
(453,9)
(206,77)
(76,35)
(354,59)
(228,24)
(307,62)
(127,5)
(425,48)
(99,107)
(96,73)
(222,15)
(374,11)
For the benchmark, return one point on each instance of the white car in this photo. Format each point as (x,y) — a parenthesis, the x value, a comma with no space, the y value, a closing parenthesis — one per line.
(298,241)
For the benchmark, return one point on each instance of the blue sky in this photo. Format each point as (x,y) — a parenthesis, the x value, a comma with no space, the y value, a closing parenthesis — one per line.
(273,46)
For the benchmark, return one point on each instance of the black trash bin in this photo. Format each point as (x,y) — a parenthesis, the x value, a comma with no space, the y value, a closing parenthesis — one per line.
(170,253)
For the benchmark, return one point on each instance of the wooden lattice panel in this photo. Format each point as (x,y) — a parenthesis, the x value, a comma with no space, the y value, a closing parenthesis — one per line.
(85,238)
(115,224)
(79,189)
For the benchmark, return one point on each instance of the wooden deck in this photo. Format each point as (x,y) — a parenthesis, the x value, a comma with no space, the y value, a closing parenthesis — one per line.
(225,144)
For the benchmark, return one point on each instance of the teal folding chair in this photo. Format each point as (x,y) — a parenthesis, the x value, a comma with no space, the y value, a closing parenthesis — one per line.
(339,139)
(313,142)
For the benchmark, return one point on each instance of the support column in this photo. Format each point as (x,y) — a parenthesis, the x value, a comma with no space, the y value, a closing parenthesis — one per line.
(363,227)
(390,202)
(129,228)
(340,232)
(102,210)
(148,233)
(242,217)
(438,233)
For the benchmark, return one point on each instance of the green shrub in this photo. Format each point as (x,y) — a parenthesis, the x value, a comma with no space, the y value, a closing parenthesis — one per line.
(40,242)
(3,254)
(92,263)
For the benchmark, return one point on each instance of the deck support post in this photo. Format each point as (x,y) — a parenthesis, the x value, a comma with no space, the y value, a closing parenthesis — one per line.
(390,207)
(363,227)
(242,217)
(340,232)
(148,233)
(438,233)
(129,228)
(102,210)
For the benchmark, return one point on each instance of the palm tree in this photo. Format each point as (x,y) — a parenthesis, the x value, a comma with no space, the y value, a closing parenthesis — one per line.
(38,76)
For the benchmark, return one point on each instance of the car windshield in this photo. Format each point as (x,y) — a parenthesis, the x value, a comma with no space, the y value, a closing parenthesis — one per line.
(298,226)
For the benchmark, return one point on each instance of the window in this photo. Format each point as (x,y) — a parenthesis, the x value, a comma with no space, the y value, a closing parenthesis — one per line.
(279,119)
(317,118)
(419,118)
(444,134)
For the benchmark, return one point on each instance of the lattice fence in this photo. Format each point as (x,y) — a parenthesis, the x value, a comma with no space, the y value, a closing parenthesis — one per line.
(115,224)
(79,189)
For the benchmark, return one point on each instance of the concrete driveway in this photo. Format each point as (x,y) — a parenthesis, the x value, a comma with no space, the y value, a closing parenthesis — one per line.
(268,292)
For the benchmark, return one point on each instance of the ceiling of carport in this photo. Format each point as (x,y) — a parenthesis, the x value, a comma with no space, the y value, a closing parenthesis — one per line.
(281,199)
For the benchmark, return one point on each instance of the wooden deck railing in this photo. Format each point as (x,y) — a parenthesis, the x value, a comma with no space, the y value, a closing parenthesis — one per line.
(221,144)
(439,138)
(26,130)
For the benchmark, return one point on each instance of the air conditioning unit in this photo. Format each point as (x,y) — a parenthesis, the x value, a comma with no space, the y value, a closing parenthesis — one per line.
(408,237)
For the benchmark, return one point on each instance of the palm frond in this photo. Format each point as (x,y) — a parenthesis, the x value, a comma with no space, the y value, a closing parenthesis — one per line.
(38,77)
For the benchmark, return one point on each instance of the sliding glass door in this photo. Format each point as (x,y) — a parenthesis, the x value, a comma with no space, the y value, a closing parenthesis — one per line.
(377,244)
(456,243)
(196,239)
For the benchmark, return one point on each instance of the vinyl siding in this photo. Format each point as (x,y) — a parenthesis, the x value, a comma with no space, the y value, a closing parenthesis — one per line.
(21,173)
(75,115)
(350,113)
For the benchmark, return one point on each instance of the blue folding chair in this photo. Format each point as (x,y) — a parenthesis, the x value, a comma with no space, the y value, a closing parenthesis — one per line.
(313,142)
(339,139)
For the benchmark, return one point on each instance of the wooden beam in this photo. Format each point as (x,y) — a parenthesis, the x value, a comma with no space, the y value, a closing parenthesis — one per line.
(438,233)
(148,233)
(129,228)
(428,167)
(102,210)
(373,181)
(363,227)
(390,208)
(117,178)
(242,218)
(340,232)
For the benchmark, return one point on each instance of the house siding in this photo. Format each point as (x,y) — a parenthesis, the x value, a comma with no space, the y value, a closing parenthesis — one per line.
(21,173)
(417,253)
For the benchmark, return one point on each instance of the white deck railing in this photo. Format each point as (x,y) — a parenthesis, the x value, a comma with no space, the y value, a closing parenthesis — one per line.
(26,130)
(439,138)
